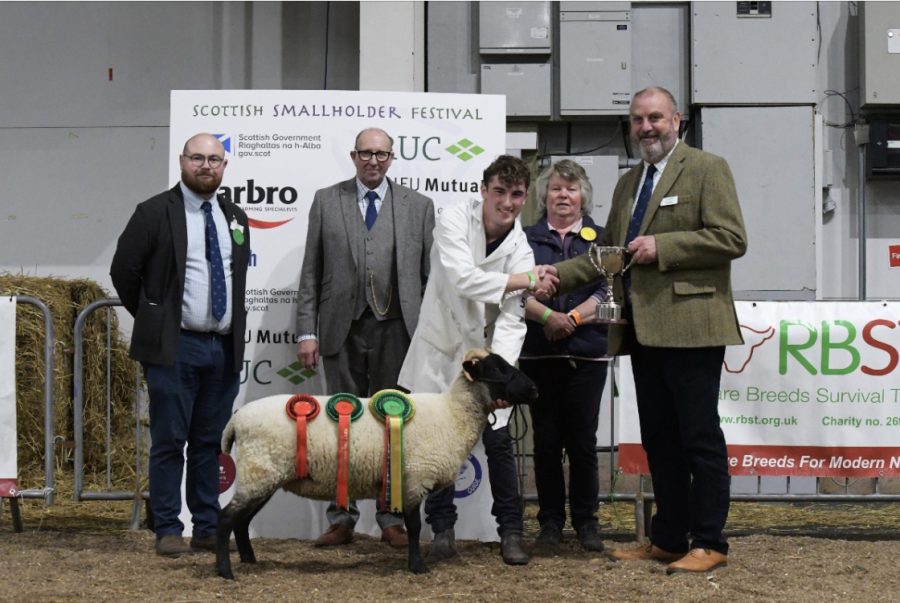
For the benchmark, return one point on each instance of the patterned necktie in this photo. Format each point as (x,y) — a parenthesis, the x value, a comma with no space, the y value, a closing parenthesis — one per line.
(216,269)
(640,208)
(371,212)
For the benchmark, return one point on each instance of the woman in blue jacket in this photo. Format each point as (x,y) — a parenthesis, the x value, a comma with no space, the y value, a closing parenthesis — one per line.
(565,355)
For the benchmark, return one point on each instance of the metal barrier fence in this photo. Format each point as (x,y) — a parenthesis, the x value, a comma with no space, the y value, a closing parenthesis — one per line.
(137,495)
(47,490)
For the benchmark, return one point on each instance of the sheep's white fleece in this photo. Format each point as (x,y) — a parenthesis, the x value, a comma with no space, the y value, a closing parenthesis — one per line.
(435,444)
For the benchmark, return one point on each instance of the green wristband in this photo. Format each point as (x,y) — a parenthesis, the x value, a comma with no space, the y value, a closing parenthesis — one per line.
(546,315)
(532,281)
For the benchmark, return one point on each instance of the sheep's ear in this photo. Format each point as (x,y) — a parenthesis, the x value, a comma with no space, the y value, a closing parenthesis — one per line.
(469,369)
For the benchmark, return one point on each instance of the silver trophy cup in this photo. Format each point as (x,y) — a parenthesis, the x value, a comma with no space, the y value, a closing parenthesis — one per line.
(609,262)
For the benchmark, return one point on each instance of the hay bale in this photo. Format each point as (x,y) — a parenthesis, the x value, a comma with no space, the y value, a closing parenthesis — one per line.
(111,377)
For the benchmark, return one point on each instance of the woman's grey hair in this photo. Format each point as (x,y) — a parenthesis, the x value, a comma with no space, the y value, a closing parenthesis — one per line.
(569,171)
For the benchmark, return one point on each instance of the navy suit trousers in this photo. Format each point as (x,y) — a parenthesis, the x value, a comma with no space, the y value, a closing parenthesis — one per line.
(677,398)
(190,403)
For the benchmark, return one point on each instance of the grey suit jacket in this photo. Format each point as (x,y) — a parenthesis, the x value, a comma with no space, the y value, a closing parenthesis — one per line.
(328,279)
(685,298)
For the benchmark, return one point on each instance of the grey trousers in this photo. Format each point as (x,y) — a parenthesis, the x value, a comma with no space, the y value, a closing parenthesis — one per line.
(369,362)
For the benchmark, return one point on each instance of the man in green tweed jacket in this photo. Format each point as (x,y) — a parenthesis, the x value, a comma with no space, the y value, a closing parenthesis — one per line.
(677,214)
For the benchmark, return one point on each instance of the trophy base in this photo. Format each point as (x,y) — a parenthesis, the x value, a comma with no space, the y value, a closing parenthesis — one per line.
(610,314)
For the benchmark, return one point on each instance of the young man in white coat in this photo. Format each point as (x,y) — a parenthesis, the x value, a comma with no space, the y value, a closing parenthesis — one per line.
(481,264)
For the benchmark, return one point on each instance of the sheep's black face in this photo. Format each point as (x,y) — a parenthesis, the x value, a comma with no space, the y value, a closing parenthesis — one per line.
(504,381)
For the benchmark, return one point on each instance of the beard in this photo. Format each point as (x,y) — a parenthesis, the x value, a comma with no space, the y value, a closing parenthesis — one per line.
(656,151)
(205,182)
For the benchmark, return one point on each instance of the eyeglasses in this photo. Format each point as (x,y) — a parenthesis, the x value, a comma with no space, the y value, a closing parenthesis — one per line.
(197,160)
(381,156)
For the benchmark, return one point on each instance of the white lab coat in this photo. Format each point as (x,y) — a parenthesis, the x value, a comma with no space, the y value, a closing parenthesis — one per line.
(465,305)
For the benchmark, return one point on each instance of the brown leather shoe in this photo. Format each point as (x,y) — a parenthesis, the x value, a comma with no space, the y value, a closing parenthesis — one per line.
(395,536)
(336,535)
(644,552)
(172,546)
(698,560)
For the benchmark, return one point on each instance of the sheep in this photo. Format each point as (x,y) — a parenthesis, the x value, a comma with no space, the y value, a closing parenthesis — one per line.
(436,441)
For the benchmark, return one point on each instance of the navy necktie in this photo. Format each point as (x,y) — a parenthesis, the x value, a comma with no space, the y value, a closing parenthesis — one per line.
(371,212)
(216,268)
(640,207)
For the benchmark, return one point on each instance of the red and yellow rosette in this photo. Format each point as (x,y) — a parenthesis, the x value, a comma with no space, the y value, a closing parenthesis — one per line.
(302,408)
(394,408)
(343,409)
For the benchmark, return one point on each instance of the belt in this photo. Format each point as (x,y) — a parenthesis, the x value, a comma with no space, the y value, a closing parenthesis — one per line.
(190,333)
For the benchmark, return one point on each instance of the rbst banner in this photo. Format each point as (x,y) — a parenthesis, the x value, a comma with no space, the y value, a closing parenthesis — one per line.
(813,391)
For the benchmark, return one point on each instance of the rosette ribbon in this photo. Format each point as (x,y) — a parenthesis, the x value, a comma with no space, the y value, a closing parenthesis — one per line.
(394,408)
(343,409)
(302,408)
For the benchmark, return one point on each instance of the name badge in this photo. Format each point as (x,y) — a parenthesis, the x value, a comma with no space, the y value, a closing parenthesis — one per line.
(668,201)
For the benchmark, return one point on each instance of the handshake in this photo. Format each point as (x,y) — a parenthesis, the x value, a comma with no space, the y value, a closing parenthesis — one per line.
(546,279)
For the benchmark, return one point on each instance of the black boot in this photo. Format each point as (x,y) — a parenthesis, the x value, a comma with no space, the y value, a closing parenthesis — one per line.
(511,549)
(443,546)
(589,537)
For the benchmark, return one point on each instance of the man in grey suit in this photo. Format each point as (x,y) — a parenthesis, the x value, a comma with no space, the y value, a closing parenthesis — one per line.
(364,273)
(677,213)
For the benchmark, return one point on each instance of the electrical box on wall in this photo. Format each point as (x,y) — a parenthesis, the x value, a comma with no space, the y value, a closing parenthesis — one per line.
(595,58)
(753,53)
(526,86)
(879,53)
(883,148)
(514,27)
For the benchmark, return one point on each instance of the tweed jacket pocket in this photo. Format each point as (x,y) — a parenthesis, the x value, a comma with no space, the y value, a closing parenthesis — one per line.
(687,288)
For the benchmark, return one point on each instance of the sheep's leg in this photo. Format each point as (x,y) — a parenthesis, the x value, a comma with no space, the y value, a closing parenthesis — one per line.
(223,533)
(236,518)
(413,529)
(242,528)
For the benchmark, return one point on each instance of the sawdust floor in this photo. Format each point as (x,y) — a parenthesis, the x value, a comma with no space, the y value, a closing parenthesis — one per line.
(780,552)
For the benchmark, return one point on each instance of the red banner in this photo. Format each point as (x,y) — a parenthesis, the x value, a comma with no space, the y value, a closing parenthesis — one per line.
(814,461)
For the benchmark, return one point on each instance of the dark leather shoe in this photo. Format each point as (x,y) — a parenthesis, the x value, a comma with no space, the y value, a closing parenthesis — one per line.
(336,535)
(395,536)
(172,546)
(511,549)
(550,536)
(644,552)
(698,560)
(443,547)
(208,543)
(590,539)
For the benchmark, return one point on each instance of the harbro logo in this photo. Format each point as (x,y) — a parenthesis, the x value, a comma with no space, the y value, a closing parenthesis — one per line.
(828,347)
(266,206)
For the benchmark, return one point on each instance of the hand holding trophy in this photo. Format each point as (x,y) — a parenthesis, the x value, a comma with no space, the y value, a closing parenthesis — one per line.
(609,262)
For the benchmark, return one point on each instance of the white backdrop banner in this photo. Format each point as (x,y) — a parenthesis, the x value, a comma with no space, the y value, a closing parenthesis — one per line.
(813,391)
(282,146)
(9,468)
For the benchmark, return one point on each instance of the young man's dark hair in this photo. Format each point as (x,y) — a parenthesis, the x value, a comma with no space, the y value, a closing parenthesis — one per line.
(509,171)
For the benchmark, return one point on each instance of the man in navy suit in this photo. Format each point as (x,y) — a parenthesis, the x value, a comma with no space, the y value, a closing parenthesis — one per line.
(180,269)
